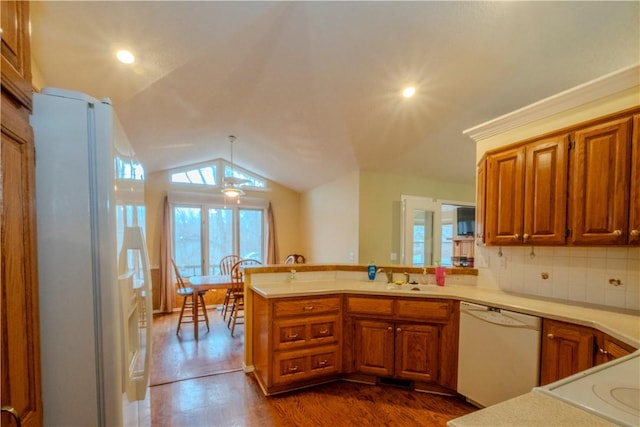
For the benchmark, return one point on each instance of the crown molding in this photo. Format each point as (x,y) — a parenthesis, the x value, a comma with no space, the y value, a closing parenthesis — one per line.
(579,95)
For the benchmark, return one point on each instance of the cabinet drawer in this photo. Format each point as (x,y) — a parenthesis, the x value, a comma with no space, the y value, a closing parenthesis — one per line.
(423,310)
(291,366)
(306,306)
(297,332)
(369,305)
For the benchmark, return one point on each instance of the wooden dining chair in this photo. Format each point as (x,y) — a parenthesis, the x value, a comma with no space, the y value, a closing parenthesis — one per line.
(236,298)
(295,259)
(226,264)
(188,299)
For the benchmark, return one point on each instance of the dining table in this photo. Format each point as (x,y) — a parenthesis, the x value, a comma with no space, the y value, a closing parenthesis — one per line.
(205,283)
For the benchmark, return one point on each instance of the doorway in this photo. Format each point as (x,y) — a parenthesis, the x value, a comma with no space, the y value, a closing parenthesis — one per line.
(428,227)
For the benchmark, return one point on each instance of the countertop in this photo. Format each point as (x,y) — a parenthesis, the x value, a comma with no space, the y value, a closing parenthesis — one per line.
(533,409)
(621,324)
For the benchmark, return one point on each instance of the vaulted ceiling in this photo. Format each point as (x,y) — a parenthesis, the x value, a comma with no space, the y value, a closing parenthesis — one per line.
(312,89)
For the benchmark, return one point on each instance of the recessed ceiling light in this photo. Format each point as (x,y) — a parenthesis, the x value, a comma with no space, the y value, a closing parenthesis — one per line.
(125,56)
(409,91)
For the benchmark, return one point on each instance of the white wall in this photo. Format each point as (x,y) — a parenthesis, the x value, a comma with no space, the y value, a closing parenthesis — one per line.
(329,221)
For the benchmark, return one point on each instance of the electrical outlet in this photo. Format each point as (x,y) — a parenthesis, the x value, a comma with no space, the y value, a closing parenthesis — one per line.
(394,256)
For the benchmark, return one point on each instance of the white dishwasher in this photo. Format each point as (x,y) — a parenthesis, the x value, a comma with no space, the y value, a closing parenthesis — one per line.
(499,355)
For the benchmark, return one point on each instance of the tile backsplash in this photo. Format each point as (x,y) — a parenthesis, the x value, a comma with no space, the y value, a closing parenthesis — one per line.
(598,275)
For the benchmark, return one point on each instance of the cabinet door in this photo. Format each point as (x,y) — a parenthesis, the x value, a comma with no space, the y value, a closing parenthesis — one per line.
(16,50)
(545,191)
(20,339)
(417,350)
(599,187)
(374,347)
(566,349)
(634,208)
(610,348)
(505,189)
(481,185)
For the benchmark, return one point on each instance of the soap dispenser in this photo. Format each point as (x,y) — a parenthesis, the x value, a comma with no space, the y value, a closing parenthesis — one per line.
(371,270)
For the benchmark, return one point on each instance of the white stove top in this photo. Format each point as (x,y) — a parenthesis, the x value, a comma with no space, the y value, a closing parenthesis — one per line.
(611,390)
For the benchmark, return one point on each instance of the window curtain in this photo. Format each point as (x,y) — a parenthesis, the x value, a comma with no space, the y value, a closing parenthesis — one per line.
(167,285)
(272,243)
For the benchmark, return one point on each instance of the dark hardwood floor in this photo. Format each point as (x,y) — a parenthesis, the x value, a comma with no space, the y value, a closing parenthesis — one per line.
(202,383)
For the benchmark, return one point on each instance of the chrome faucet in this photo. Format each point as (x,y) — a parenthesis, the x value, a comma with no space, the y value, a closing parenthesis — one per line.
(406,277)
(388,273)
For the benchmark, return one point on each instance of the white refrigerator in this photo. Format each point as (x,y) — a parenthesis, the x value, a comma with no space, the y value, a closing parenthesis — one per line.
(93,267)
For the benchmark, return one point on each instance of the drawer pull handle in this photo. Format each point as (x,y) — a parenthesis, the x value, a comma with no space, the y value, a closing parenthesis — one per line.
(308,308)
(293,368)
(603,351)
(323,363)
(292,336)
(323,331)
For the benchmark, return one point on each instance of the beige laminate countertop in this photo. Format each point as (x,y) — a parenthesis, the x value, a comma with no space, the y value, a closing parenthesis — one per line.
(621,324)
(533,409)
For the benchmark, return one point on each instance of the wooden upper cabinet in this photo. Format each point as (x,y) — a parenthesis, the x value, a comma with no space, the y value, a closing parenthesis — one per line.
(599,189)
(526,193)
(634,193)
(16,51)
(504,197)
(545,198)
(481,186)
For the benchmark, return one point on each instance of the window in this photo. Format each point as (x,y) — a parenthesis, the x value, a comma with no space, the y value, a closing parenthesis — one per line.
(211,175)
(204,233)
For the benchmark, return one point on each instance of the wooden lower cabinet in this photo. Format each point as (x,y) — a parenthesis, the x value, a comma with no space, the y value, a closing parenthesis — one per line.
(297,341)
(402,350)
(402,339)
(568,349)
(303,341)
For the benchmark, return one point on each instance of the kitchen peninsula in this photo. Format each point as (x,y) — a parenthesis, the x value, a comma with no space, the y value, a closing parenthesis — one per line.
(304,325)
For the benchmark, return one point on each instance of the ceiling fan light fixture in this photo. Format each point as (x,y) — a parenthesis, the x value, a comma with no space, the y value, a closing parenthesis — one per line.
(231,189)
(232,192)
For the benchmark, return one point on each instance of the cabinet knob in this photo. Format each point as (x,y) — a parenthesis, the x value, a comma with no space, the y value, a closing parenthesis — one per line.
(550,336)
(617,233)
(635,233)
(516,237)
(603,351)
(389,328)
(525,237)
(399,330)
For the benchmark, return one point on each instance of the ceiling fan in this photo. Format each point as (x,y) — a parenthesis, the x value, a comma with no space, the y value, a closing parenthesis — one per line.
(232,183)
